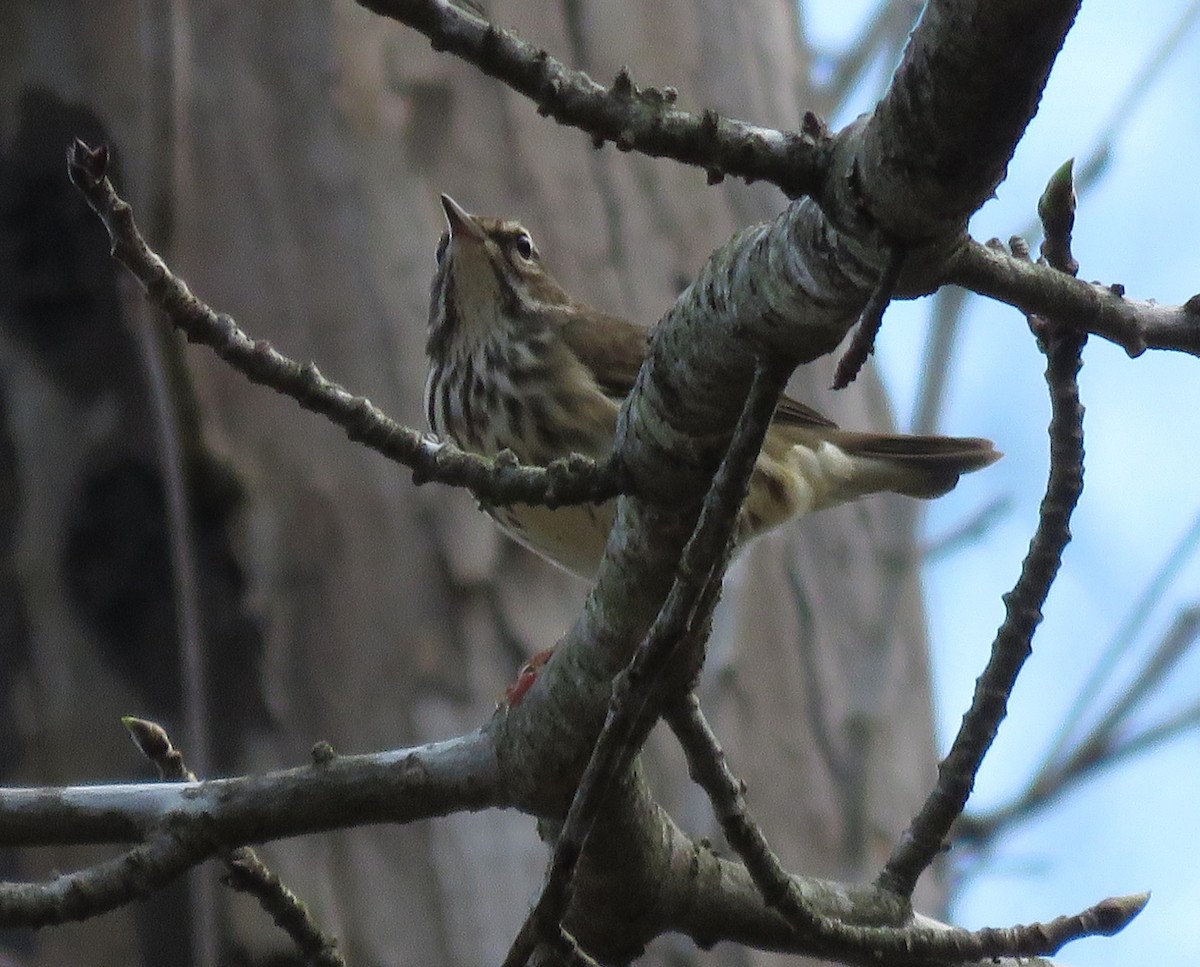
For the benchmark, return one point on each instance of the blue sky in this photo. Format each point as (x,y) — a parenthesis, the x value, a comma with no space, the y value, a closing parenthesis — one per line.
(1130,828)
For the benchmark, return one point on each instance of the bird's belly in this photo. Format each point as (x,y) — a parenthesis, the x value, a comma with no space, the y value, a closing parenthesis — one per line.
(571,537)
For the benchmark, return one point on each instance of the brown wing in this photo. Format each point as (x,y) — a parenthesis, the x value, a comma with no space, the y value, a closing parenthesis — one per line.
(792,412)
(612,348)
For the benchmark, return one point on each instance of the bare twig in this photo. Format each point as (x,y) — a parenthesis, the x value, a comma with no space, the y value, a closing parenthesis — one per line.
(1090,307)
(909,941)
(167,852)
(245,871)
(862,343)
(397,786)
(631,712)
(709,768)
(635,119)
(1105,744)
(564,952)
(956,774)
(500,480)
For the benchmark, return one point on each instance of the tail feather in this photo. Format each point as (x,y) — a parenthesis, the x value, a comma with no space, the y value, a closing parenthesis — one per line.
(923,466)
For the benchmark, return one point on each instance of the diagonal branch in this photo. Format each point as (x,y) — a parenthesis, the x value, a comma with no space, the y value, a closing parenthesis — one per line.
(636,697)
(166,853)
(635,119)
(862,343)
(500,480)
(913,940)
(709,768)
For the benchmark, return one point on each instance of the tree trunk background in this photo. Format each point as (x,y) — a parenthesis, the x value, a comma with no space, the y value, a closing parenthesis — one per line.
(286,159)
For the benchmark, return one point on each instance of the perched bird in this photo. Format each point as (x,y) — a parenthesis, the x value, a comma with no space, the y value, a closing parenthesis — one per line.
(515,362)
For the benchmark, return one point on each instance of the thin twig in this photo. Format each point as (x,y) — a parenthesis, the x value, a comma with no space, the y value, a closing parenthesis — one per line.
(567,952)
(633,118)
(167,852)
(245,871)
(632,709)
(1102,310)
(1105,744)
(862,343)
(710,770)
(927,833)
(908,943)
(499,481)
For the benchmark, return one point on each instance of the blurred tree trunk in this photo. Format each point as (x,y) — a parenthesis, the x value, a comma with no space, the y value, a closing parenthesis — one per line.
(287,159)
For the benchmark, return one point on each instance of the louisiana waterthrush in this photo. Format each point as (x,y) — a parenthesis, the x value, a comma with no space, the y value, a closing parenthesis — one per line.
(516,363)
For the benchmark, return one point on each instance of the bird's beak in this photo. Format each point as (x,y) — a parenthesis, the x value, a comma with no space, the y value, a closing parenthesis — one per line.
(461,222)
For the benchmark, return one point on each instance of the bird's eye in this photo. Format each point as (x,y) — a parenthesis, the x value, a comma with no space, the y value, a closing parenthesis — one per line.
(524,246)
(441,248)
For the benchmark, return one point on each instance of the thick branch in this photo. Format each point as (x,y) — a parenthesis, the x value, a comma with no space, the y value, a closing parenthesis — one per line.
(638,692)
(939,142)
(387,787)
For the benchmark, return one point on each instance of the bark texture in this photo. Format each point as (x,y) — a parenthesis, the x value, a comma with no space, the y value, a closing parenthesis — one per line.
(288,160)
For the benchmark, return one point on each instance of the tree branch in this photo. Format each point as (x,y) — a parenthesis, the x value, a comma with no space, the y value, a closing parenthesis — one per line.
(637,694)
(635,119)
(387,787)
(167,852)
(500,480)
(862,344)
(1090,307)
(927,833)
(245,872)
